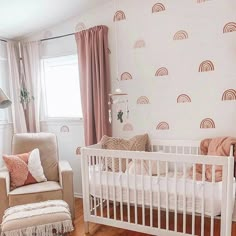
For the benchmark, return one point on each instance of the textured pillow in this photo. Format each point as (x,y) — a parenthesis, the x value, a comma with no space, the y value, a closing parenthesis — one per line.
(137,143)
(24,168)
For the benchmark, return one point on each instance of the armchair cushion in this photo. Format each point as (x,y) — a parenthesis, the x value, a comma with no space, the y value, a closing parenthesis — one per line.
(44,191)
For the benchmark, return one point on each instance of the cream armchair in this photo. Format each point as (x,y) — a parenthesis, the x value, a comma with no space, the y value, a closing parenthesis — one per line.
(58,173)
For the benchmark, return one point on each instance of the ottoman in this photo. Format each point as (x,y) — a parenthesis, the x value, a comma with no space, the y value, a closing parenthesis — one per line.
(37,219)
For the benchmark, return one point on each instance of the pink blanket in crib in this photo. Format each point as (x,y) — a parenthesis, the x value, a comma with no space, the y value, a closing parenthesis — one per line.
(216,147)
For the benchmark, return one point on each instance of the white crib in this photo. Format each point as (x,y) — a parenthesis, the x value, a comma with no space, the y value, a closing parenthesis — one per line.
(163,204)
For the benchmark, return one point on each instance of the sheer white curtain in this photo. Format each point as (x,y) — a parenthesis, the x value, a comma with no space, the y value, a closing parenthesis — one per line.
(18,115)
(31,66)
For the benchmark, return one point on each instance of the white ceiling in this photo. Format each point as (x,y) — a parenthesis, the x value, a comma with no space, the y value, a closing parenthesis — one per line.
(22,17)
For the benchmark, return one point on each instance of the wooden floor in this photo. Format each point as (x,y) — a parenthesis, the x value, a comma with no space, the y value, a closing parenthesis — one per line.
(102,230)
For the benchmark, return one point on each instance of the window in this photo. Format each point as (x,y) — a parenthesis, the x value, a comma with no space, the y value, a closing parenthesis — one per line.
(4,71)
(62,90)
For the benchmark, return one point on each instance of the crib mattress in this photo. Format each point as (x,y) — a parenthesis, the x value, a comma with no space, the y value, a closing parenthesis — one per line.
(119,186)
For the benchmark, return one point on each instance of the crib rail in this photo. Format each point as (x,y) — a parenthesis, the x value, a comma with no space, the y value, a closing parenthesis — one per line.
(158,193)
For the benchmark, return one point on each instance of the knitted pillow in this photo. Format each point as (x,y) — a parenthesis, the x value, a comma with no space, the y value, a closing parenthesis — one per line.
(24,168)
(137,143)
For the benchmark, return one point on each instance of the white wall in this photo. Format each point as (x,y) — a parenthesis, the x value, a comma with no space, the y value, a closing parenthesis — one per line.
(204,23)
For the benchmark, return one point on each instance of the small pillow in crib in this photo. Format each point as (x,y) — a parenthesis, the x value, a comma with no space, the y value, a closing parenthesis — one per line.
(137,143)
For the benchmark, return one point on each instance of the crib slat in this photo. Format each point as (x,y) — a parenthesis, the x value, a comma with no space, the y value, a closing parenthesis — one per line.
(135,194)
(184,200)
(167,198)
(128,197)
(121,192)
(113,187)
(99,161)
(94,186)
(212,200)
(193,199)
(175,218)
(107,189)
(203,197)
(150,194)
(158,195)
(143,207)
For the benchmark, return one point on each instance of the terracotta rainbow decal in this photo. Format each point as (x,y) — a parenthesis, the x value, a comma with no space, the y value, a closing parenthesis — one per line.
(206,66)
(229,94)
(119,15)
(180,35)
(162,72)
(183,98)
(64,129)
(163,126)
(229,27)
(207,123)
(143,100)
(140,44)
(80,26)
(158,7)
(78,152)
(126,76)
(128,127)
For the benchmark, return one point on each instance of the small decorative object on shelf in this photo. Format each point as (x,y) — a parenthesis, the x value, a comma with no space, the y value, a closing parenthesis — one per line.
(120,116)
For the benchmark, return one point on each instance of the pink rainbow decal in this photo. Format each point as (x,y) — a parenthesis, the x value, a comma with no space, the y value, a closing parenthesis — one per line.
(183,98)
(158,7)
(206,66)
(207,123)
(229,27)
(229,94)
(180,35)
(126,76)
(163,126)
(80,26)
(119,15)
(128,127)
(139,44)
(162,72)
(64,129)
(143,100)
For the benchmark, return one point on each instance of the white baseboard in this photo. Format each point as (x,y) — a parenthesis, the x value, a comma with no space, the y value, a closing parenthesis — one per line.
(78,195)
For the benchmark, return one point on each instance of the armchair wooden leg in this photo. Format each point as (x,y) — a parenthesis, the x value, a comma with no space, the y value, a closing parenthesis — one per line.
(86,227)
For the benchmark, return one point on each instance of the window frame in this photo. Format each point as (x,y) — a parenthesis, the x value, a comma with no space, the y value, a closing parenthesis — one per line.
(44,107)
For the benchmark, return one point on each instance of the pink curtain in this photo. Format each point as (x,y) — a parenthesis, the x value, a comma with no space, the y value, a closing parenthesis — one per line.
(94,73)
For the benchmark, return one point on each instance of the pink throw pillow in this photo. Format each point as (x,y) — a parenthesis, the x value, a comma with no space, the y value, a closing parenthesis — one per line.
(24,168)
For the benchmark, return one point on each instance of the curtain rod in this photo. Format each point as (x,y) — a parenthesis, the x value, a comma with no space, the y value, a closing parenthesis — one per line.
(57,37)
(3,40)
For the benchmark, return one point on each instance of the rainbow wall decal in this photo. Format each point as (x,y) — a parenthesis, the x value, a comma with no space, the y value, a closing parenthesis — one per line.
(158,7)
(229,27)
(128,127)
(183,98)
(207,123)
(78,151)
(139,44)
(143,100)
(126,76)
(163,126)
(229,94)
(162,72)
(206,66)
(64,129)
(180,35)
(119,15)
(80,26)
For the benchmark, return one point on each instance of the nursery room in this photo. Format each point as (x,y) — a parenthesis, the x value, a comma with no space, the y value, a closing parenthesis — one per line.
(117,117)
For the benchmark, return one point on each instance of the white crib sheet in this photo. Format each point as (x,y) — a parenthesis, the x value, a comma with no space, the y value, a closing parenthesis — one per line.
(152,185)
